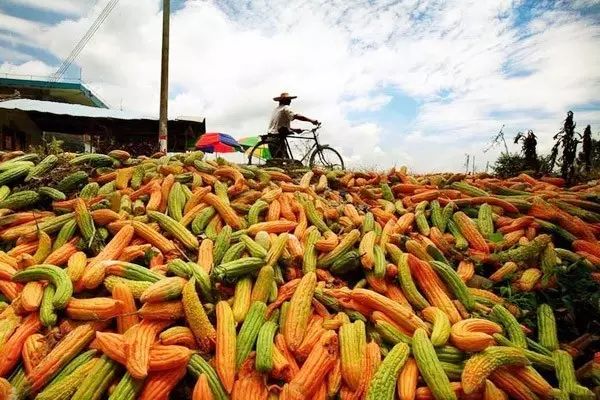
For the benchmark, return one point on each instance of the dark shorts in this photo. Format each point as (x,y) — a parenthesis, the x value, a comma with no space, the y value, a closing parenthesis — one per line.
(277,146)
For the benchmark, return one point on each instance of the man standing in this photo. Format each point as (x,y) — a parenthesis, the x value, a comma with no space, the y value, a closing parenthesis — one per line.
(280,125)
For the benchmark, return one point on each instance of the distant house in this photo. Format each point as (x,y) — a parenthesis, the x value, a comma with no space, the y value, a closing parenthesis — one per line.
(72,113)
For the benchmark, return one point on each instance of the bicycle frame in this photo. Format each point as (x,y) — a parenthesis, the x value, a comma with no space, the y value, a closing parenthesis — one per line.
(315,145)
(306,155)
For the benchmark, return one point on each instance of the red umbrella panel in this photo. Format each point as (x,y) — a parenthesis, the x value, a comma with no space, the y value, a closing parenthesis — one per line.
(217,143)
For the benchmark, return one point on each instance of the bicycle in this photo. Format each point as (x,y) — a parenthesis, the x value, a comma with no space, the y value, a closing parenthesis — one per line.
(317,155)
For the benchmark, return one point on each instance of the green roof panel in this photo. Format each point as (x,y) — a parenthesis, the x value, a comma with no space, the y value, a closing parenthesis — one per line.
(66,92)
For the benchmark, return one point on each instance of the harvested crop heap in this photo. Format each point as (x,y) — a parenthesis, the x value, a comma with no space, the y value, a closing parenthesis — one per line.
(142,278)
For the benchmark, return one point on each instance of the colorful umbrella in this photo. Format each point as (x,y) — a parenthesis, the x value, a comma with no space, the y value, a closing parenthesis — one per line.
(249,141)
(261,152)
(217,143)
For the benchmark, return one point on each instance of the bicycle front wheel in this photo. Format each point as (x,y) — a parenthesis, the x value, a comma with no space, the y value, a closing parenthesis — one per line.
(327,157)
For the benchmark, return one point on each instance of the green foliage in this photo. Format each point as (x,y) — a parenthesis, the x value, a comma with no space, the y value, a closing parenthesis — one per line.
(53,146)
(576,299)
(528,149)
(496,237)
(526,301)
(585,156)
(508,165)
(573,167)
(595,153)
(545,164)
(566,139)
(589,158)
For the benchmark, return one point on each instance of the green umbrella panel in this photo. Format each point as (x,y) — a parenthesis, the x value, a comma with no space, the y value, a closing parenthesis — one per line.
(249,142)
(260,152)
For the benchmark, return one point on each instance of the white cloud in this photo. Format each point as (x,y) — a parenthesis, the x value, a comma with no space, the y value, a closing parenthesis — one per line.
(32,68)
(12,39)
(367,103)
(7,53)
(460,60)
(68,7)
(20,26)
(584,3)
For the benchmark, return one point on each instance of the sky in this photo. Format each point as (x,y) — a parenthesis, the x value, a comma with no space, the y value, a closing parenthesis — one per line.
(420,83)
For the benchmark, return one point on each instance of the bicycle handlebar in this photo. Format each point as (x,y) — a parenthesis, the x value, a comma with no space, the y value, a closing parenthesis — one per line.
(313,130)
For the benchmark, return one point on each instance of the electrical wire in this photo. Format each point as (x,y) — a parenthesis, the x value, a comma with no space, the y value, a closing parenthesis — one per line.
(84,41)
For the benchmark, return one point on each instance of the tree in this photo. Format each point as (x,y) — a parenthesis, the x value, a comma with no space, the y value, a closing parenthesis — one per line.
(528,148)
(585,156)
(566,139)
(508,165)
(595,153)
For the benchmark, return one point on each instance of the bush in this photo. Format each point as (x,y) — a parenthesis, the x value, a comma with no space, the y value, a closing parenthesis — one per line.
(509,164)
(545,164)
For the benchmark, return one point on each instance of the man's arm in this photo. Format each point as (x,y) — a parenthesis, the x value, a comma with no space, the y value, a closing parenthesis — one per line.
(300,117)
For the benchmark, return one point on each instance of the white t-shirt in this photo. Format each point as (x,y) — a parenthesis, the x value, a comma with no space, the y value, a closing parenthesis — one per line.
(282,117)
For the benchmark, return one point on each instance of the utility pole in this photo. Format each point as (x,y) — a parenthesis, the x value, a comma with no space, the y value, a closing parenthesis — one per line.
(164,80)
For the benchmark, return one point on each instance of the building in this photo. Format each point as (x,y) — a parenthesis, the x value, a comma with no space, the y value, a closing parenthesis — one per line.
(73,92)
(73,114)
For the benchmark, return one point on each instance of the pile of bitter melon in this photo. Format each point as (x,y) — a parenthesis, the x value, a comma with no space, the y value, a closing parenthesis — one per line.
(175,276)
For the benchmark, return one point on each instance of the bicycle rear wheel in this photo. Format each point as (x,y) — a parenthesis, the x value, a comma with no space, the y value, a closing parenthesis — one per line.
(327,157)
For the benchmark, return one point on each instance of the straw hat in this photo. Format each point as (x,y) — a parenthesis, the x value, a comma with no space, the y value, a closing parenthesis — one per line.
(284,96)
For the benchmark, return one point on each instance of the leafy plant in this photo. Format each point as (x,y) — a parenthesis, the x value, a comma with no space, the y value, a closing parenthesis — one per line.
(528,149)
(52,146)
(508,165)
(566,139)
(585,156)
(575,299)
(526,301)
(545,166)
(574,296)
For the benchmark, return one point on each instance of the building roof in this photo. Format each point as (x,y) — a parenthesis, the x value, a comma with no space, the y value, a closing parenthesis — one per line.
(66,92)
(119,128)
(77,110)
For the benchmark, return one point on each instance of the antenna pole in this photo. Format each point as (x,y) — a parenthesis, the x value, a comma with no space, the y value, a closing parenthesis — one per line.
(164,80)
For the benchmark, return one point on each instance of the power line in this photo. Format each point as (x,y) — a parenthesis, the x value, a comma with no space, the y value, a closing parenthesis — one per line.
(83,41)
(496,141)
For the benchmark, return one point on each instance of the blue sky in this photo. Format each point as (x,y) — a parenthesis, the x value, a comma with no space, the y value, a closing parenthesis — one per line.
(415,82)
